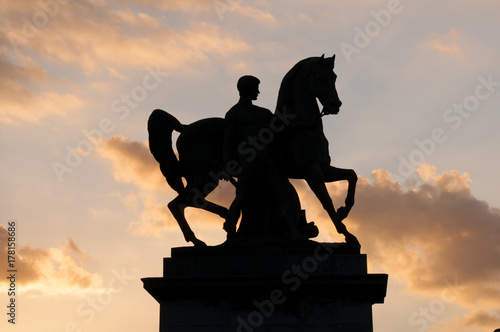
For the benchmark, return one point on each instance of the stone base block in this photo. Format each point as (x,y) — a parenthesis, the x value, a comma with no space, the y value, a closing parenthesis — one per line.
(315,287)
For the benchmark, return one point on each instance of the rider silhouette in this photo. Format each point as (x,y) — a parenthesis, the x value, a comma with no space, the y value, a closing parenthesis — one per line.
(243,123)
(267,200)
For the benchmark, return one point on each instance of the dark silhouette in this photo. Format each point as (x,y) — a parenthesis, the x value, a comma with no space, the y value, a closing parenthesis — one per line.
(244,121)
(269,203)
(262,150)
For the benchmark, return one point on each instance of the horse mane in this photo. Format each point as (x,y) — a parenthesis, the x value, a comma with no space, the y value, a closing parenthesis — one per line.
(286,87)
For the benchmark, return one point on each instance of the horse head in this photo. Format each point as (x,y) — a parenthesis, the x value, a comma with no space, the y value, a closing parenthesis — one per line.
(322,85)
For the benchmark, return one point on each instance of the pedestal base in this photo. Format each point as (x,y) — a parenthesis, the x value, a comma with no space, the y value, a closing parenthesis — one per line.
(310,288)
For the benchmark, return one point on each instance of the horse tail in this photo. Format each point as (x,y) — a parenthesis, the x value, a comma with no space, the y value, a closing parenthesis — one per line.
(160,128)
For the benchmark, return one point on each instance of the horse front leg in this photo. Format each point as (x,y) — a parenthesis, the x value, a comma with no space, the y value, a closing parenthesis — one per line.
(333,174)
(315,178)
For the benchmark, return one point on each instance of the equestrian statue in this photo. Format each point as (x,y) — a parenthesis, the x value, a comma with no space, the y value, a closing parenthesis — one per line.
(262,150)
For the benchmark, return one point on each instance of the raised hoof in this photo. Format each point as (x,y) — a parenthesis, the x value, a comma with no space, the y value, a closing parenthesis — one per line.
(342,212)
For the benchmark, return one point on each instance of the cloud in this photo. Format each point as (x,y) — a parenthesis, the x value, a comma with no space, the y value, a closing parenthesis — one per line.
(261,16)
(482,318)
(23,96)
(304,19)
(435,232)
(172,5)
(50,271)
(98,40)
(477,319)
(447,43)
(132,162)
(72,247)
(457,48)
(92,36)
(155,218)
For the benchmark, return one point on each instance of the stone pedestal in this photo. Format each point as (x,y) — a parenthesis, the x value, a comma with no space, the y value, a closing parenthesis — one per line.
(307,288)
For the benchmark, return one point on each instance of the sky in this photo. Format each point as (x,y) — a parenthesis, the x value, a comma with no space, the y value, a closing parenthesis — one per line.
(420,86)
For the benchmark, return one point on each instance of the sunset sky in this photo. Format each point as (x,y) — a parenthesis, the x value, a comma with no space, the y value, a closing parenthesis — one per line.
(420,86)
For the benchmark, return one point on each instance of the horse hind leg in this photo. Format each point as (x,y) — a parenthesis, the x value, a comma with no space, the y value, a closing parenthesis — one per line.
(199,201)
(177,207)
(197,197)
(202,187)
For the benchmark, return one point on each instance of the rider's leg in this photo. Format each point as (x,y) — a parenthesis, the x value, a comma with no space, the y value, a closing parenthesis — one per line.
(233,215)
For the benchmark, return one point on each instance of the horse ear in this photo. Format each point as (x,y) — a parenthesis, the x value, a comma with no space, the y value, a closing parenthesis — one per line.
(330,61)
(333,60)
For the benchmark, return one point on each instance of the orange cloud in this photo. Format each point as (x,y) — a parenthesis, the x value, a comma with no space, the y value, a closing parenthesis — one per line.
(92,36)
(132,162)
(452,49)
(435,232)
(172,5)
(478,319)
(483,318)
(261,16)
(447,43)
(155,218)
(19,100)
(50,271)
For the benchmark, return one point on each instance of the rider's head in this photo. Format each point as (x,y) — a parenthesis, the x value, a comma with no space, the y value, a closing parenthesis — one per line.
(248,86)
